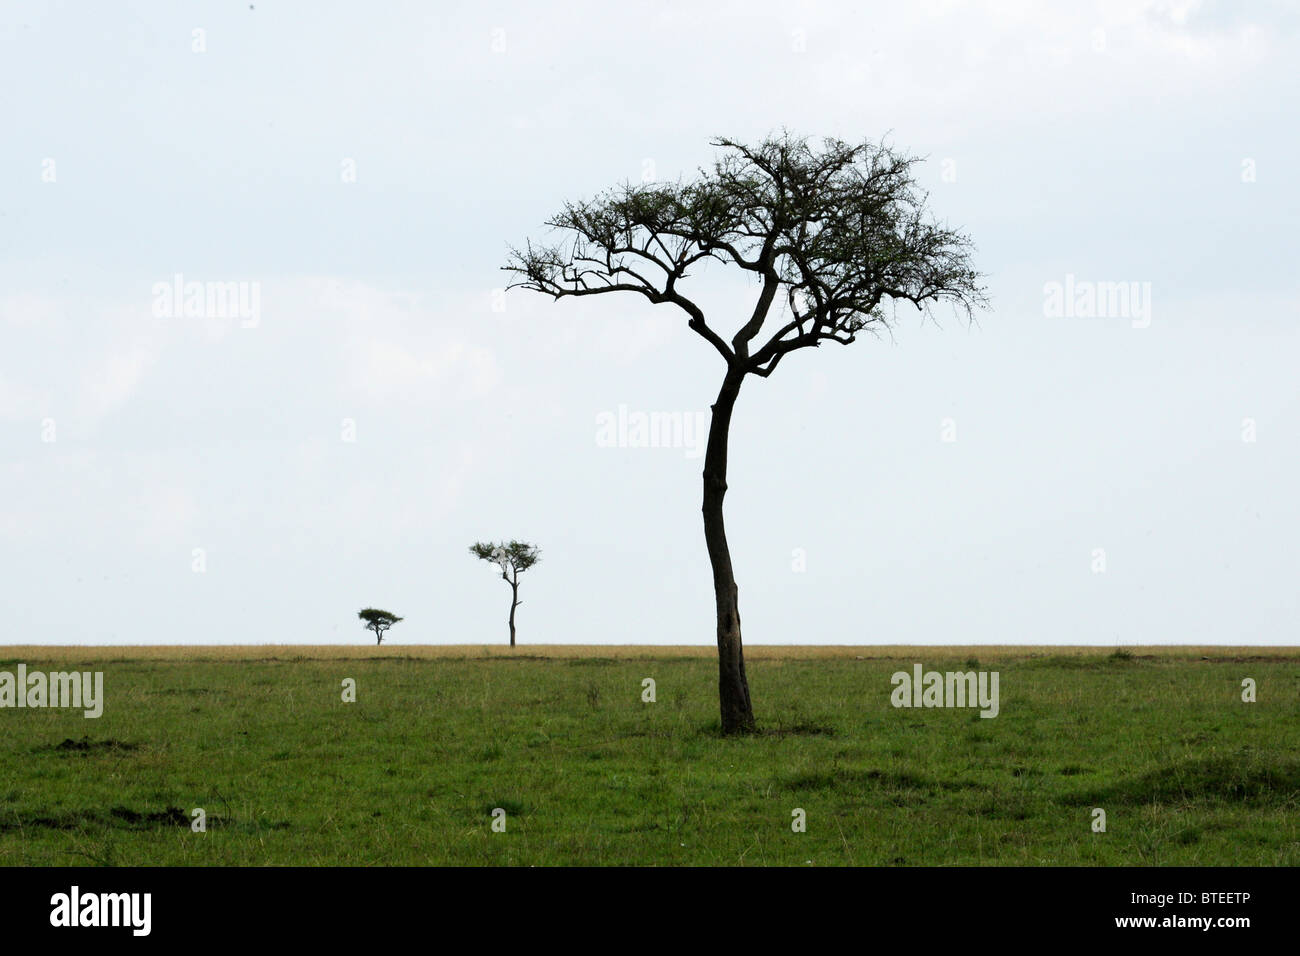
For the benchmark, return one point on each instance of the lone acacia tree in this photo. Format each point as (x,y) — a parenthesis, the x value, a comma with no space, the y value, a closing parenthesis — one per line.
(377,621)
(835,232)
(513,558)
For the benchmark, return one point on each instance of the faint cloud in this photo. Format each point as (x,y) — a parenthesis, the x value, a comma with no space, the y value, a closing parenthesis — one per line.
(385,369)
(111,383)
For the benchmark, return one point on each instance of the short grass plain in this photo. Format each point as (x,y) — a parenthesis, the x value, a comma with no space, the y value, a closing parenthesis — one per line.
(589,774)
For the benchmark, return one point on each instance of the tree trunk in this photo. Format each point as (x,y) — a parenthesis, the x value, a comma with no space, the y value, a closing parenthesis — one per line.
(733,688)
(514,603)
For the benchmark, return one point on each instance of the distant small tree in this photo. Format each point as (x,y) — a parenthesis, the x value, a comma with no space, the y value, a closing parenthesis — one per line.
(513,558)
(378,621)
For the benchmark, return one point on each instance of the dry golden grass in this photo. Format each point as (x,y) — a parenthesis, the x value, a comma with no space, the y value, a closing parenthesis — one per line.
(298,652)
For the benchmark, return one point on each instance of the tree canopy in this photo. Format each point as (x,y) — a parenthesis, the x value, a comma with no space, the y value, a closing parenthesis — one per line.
(515,556)
(837,230)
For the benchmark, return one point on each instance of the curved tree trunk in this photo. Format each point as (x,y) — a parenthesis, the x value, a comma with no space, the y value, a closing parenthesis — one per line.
(733,688)
(514,603)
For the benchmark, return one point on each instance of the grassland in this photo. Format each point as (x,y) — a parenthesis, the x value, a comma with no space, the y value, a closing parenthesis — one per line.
(558,737)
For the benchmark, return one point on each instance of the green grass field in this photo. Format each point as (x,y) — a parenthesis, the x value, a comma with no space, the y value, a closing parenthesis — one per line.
(587,773)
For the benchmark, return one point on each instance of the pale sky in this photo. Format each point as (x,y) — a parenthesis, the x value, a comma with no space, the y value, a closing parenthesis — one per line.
(364,166)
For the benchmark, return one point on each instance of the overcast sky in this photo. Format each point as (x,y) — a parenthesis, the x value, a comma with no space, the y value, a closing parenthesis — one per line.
(167,478)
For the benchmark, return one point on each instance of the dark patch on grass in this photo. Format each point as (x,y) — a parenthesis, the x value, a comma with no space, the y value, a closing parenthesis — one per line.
(117,818)
(799,728)
(714,729)
(86,746)
(874,779)
(173,816)
(1120,654)
(1003,808)
(513,808)
(184,691)
(1237,778)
